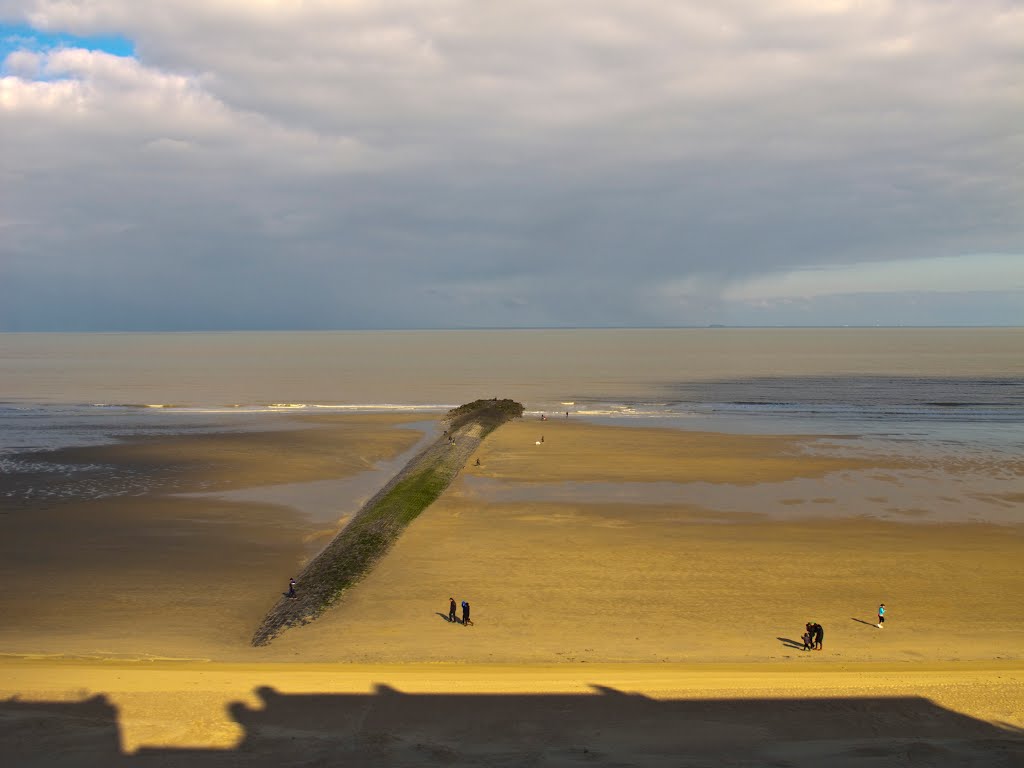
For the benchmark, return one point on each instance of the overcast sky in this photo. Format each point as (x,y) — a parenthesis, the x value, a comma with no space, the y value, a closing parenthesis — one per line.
(252,164)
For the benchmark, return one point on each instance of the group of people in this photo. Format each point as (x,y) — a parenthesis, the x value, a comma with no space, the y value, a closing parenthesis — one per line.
(465,621)
(813,636)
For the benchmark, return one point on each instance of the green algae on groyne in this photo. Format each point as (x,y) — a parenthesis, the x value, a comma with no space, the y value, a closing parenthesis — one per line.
(376,527)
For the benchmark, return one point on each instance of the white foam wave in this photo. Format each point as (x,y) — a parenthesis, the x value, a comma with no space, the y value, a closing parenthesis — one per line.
(279,407)
(11,465)
(633,412)
(135,405)
(386,407)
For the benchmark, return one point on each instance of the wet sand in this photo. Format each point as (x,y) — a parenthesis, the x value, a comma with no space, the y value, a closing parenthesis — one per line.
(633,581)
(668,589)
(181,568)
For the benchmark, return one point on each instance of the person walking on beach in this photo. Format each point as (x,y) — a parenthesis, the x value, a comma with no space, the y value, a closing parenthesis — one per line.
(808,637)
(881,616)
(291,590)
(451,610)
(465,614)
(819,635)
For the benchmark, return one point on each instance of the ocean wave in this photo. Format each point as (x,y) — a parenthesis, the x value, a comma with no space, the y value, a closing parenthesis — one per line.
(13,465)
(264,407)
(386,407)
(633,412)
(136,405)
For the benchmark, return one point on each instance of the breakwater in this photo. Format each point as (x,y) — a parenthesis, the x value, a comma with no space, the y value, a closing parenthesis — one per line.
(376,527)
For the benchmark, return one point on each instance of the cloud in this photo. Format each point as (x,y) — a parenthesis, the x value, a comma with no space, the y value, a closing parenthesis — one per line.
(347,164)
(959,274)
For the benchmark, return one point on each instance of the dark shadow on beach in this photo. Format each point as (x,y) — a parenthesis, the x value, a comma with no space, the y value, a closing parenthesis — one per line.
(869,623)
(790,643)
(608,727)
(444,616)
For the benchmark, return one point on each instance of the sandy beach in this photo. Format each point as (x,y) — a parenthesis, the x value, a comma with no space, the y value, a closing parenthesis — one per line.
(149,601)
(605,714)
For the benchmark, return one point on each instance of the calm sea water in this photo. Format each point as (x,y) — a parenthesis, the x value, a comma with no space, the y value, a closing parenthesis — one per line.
(960,387)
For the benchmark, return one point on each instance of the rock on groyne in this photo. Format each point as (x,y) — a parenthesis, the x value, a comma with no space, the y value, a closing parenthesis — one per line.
(373,530)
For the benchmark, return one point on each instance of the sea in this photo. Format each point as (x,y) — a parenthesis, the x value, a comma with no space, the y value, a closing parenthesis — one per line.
(942,392)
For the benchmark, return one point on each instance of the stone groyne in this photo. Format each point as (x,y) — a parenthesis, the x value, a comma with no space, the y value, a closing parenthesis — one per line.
(376,527)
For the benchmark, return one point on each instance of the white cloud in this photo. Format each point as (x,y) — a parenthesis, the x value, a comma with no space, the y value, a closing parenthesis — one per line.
(23,64)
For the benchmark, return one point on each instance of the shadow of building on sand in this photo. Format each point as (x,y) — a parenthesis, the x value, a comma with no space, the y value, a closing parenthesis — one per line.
(608,728)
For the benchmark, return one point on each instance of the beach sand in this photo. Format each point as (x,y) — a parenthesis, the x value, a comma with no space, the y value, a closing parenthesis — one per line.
(182,569)
(629,581)
(105,713)
(678,602)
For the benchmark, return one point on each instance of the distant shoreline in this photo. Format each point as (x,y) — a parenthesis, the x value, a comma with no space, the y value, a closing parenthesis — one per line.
(707,326)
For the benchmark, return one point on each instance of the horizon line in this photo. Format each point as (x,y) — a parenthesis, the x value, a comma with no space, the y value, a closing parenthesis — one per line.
(708,326)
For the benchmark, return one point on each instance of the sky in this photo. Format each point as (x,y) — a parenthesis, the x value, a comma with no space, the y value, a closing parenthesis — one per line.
(346,164)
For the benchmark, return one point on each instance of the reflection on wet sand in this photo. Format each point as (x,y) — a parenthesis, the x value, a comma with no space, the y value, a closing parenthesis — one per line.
(900,496)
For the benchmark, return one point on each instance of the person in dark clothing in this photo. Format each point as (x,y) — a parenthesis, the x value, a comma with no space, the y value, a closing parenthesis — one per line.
(291,589)
(819,635)
(451,610)
(808,637)
(465,614)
